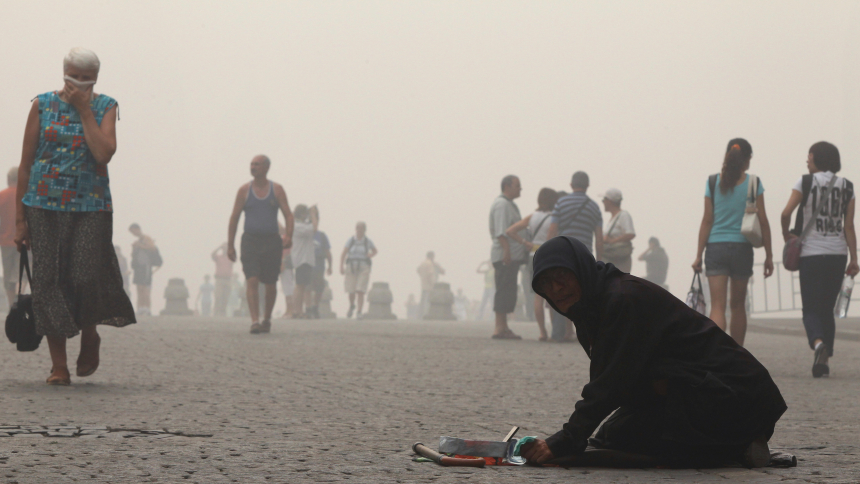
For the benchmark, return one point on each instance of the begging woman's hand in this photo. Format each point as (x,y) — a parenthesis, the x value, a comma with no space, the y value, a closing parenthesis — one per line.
(537,452)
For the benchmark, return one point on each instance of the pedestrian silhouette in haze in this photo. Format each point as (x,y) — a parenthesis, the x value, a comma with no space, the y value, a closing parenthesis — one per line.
(262,245)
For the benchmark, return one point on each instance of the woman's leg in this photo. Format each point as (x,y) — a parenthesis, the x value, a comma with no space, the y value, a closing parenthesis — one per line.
(147,300)
(59,366)
(718,286)
(299,299)
(538,305)
(569,334)
(738,328)
(811,295)
(625,264)
(831,281)
(88,359)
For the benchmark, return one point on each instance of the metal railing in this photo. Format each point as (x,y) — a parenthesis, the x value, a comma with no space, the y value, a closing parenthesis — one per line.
(779,292)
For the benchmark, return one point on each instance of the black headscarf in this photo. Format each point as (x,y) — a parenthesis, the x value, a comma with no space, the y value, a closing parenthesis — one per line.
(569,253)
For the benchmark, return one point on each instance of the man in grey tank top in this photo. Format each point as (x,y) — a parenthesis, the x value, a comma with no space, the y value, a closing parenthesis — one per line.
(262,246)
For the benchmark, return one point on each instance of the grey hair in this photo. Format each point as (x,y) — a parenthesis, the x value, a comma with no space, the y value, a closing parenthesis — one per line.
(508,181)
(83,59)
(362,225)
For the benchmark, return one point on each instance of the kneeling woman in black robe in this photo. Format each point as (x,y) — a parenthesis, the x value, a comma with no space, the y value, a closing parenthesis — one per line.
(683,392)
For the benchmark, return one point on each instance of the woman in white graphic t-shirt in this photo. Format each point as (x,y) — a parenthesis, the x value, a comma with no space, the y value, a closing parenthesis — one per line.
(826,248)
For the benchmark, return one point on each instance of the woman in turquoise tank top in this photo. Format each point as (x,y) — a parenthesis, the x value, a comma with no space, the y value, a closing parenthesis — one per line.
(727,252)
(65,215)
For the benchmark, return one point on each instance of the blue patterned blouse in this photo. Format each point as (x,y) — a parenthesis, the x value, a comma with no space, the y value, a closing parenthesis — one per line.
(65,176)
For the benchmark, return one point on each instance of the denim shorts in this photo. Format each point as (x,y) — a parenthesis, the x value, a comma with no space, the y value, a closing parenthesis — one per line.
(733,259)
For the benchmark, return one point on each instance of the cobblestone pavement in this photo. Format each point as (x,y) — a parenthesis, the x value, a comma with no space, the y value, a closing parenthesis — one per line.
(343,401)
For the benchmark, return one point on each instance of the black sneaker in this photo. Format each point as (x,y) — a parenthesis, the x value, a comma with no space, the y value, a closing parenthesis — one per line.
(351,309)
(819,362)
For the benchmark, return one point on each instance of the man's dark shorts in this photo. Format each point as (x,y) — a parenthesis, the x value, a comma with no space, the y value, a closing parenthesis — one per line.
(261,256)
(506,286)
(304,274)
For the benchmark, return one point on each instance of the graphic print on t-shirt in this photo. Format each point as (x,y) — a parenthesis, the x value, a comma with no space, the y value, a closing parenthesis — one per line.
(831,206)
(827,234)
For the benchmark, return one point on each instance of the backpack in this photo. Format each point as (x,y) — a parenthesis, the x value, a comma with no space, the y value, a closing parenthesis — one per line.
(806,187)
(352,242)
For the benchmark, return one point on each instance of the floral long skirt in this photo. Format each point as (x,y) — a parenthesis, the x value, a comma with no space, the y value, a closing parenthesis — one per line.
(76,277)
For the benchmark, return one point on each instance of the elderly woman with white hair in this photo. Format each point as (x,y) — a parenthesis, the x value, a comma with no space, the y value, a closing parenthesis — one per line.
(65,216)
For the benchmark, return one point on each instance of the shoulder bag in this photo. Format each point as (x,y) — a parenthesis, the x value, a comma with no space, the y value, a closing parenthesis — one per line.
(696,297)
(573,219)
(155,257)
(793,248)
(21,322)
(531,236)
(617,250)
(751,227)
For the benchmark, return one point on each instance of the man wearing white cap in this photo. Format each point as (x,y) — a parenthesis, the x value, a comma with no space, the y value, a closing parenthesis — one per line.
(617,246)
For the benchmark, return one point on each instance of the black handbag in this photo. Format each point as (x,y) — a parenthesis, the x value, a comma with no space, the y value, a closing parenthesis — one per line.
(21,323)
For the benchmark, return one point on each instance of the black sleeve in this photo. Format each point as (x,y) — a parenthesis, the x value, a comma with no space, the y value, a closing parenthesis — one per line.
(620,358)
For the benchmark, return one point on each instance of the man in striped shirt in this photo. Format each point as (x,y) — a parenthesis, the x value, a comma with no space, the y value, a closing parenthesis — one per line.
(578,216)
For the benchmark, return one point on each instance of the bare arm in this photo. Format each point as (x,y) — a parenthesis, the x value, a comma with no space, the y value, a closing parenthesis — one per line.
(281,196)
(765,235)
(621,238)
(851,240)
(506,250)
(372,252)
(704,233)
(315,218)
(513,230)
(28,156)
(241,196)
(343,259)
(101,140)
(328,257)
(552,231)
(598,242)
(785,218)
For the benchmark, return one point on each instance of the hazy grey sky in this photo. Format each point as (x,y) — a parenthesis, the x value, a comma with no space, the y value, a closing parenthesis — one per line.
(408,114)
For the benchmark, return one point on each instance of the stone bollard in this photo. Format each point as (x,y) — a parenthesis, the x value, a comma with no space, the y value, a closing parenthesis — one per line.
(441,303)
(176,295)
(379,298)
(325,304)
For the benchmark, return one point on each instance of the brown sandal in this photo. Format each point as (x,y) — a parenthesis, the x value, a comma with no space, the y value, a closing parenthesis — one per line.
(59,376)
(88,360)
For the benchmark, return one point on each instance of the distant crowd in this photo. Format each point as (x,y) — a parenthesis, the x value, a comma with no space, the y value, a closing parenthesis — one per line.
(558,213)
(822,246)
